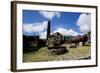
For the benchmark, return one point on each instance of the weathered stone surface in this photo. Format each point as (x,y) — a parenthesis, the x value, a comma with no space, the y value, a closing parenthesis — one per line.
(57,50)
(73,46)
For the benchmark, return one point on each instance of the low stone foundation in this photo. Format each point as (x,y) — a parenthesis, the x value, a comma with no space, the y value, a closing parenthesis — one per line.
(57,50)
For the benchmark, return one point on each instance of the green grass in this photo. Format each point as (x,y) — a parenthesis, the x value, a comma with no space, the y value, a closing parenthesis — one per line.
(72,54)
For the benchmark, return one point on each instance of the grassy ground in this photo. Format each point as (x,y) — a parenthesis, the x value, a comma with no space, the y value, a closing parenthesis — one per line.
(81,52)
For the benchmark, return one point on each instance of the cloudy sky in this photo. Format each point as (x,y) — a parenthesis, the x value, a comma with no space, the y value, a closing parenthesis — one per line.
(67,23)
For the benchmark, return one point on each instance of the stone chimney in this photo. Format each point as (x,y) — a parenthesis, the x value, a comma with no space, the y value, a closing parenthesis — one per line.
(48,32)
(48,29)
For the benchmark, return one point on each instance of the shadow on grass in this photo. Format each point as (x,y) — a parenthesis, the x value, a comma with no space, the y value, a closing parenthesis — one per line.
(31,49)
(88,45)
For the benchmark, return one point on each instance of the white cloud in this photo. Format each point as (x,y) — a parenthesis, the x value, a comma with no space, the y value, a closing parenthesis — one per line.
(84,22)
(66,32)
(28,27)
(61,30)
(49,14)
(43,35)
(72,32)
(35,27)
(85,28)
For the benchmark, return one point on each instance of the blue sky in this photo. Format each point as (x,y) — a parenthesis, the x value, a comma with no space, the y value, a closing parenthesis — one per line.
(35,22)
